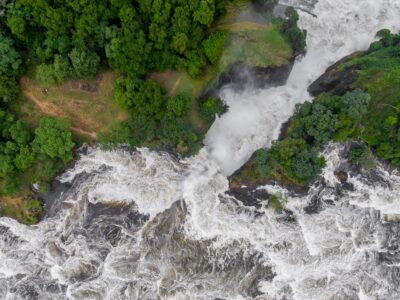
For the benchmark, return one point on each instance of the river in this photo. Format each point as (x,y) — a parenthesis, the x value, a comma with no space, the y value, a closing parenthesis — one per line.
(147,226)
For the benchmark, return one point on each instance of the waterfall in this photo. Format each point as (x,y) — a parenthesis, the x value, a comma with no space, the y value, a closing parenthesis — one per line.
(148,226)
(341,28)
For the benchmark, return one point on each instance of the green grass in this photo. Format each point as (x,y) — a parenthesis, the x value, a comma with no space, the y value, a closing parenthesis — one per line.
(89,112)
(261,47)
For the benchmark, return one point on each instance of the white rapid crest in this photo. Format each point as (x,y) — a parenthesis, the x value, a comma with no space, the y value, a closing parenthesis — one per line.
(146,226)
(145,178)
(255,116)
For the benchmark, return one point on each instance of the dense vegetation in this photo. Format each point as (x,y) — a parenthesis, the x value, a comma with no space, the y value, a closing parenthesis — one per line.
(20,148)
(71,38)
(370,114)
(39,154)
(379,75)
(74,40)
(55,41)
(295,35)
(296,158)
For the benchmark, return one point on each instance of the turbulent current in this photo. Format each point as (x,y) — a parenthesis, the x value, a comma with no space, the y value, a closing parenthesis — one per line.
(148,226)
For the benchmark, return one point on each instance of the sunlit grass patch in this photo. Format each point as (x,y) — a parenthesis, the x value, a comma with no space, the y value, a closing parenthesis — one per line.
(88,105)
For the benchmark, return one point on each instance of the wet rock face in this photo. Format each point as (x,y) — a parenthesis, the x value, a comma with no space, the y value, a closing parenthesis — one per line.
(249,196)
(335,80)
(240,75)
(342,176)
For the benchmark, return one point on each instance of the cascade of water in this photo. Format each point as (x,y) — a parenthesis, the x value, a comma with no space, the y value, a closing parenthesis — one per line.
(146,226)
(255,116)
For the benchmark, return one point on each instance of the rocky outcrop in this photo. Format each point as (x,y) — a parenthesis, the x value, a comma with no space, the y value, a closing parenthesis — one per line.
(241,76)
(337,79)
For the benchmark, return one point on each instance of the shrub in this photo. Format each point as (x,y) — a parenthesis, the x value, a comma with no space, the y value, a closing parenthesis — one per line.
(54,139)
(85,63)
(211,107)
(214,46)
(363,157)
(54,73)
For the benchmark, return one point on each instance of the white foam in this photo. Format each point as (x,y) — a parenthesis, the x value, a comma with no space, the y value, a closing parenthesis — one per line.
(255,116)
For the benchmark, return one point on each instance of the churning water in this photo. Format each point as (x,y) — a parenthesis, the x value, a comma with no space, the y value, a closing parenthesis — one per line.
(147,226)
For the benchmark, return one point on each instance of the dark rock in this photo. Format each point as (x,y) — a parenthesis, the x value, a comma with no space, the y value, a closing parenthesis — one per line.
(342,176)
(336,81)
(287,216)
(314,206)
(249,196)
(240,76)
(348,186)
(284,130)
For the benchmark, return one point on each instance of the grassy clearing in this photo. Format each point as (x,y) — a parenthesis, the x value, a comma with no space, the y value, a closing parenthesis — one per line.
(90,108)
(88,105)
(262,47)
(254,40)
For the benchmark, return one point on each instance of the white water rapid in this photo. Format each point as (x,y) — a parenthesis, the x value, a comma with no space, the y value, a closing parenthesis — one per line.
(147,226)
(341,28)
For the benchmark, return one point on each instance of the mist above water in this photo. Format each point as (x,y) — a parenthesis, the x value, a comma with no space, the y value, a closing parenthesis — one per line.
(255,116)
(146,226)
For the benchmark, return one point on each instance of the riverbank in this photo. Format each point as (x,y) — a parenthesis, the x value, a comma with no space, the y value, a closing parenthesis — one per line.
(256,53)
(366,83)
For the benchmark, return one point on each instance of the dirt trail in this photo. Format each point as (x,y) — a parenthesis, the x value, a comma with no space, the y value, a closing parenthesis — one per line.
(53,110)
(175,87)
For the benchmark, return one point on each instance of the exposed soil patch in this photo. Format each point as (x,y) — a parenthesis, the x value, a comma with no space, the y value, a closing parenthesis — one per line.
(88,105)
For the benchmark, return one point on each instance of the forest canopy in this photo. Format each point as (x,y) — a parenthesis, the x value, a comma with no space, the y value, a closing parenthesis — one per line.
(132,37)
(70,39)
(55,41)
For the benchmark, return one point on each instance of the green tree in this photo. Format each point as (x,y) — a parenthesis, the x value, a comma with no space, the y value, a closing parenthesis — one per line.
(265,164)
(9,88)
(195,63)
(10,59)
(292,17)
(145,98)
(54,139)
(179,106)
(386,37)
(294,34)
(180,42)
(133,132)
(211,107)
(20,134)
(204,14)
(297,38)
(54,73)
(85,63)
(362,156)
(214,46)
(307,165)
(24,159)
